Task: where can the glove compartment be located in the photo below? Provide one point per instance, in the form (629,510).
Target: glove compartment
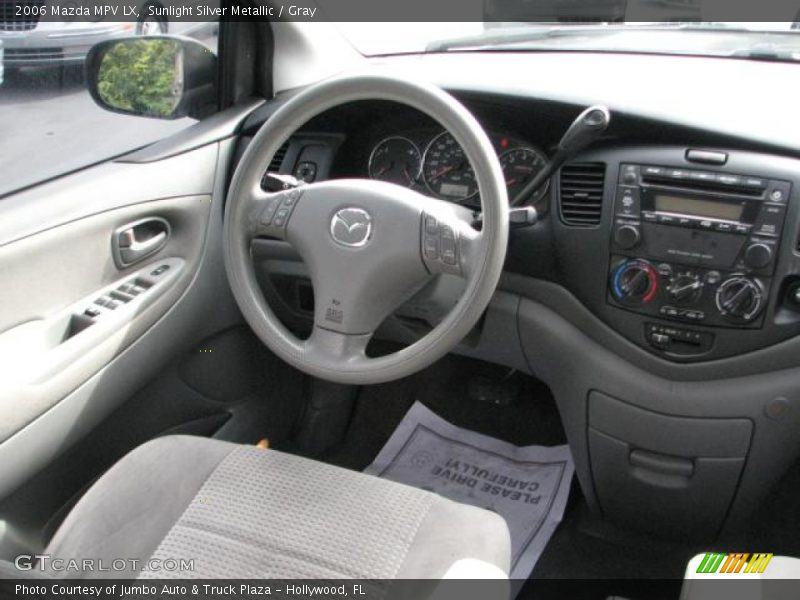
(671,475)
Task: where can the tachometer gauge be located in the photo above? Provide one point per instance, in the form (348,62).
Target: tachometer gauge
(447,171)
(396,160)
(520,165)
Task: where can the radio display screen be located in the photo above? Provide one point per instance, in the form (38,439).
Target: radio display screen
(698,208)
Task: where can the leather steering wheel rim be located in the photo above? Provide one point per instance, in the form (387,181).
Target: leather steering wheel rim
(335,350)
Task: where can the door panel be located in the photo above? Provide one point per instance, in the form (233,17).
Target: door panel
(61,370)
(104,187)
(49,345)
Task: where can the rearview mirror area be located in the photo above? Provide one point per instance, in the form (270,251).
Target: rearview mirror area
(160,77)
(142,76)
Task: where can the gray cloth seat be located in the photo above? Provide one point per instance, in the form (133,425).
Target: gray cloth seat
(243,512)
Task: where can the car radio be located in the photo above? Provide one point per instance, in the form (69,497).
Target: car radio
(693,245)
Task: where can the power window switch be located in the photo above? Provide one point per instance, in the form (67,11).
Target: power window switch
(92,312)
(120,297)
(103,301)
(159,270)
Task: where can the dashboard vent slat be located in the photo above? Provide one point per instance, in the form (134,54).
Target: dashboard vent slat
(581,196)
(277,160)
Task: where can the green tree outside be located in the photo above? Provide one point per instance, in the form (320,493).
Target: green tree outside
(141,76)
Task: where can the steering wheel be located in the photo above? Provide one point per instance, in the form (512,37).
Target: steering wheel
(368,245)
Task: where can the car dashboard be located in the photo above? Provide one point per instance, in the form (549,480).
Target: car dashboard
(433,163)
(657,292)
(675,245)
(392,143)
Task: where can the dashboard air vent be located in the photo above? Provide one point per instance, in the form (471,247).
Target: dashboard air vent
(277,160)
(581,196)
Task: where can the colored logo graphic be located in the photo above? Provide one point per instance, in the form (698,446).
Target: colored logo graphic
(714,562)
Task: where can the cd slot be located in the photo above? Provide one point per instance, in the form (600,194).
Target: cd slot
(709,185)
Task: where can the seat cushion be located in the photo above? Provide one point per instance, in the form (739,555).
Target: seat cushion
(243,512)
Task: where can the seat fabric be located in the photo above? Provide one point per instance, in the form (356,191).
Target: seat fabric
(242,512)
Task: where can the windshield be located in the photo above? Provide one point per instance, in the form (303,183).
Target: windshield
(777,40)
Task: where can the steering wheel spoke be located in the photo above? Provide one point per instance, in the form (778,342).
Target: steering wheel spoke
(270,212)
(449,244)
(335,349)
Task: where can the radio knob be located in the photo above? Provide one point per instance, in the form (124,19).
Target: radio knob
(757,255)
(740,298)
(627,236)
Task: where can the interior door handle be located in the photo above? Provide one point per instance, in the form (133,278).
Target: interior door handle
(136,241)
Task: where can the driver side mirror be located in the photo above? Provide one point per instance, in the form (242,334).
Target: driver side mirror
(159,76)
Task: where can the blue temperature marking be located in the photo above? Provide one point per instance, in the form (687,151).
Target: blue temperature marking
(617,275)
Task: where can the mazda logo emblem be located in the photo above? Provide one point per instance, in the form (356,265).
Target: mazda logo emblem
(351,227)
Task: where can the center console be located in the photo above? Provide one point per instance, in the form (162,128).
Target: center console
(695,251)
(672,356)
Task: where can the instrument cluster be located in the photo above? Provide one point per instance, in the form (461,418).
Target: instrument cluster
(435,164)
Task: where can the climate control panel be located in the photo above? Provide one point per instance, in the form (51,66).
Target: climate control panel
(695,252)
(698,295)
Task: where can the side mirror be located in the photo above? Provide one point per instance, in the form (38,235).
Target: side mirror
(153,76)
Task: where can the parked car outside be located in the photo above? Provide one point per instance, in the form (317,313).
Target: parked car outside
(30,41)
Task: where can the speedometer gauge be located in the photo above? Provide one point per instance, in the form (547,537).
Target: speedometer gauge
(520,166)
(396,160)
(447,171)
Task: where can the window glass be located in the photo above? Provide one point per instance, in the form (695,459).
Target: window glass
(49,124)
(624,31)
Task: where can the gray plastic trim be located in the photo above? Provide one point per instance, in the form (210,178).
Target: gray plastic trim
(784,355)
(215,128)
(675,436)
(574,364)
(186,319)
(103,188)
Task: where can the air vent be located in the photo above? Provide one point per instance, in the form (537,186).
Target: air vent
(581,195)
(277,160)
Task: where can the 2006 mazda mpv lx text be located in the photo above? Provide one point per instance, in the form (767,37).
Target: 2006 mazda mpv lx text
(327,308)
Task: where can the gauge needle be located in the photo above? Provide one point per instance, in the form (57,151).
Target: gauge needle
(384,169)
(443,171)
(407,173)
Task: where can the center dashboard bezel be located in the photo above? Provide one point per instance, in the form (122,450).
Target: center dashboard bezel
(586,256)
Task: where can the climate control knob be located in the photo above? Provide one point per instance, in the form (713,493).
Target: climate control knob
(685,288)
(740,298)
(634,282)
